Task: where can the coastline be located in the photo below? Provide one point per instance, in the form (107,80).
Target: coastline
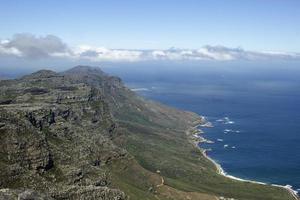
(221,171)
(196,139)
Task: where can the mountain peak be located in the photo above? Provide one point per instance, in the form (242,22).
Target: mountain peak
(44,73)
(84,70)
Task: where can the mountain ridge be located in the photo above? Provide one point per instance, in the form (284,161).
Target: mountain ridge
(81,134)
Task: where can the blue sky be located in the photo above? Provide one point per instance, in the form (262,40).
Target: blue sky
(257,25)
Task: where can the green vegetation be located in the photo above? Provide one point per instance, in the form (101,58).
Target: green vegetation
(167,149)
(87,136)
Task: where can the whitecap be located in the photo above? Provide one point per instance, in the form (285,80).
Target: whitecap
(207,125)
(139,89)
(227,130)
(231,131)
(225,120)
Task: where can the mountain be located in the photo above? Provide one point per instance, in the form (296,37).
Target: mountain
(81,134)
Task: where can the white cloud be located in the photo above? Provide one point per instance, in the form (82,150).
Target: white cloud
(29,46)
(158,54)
(104,54)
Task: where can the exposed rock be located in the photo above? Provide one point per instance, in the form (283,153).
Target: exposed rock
(4,102)
(90,193)
(22,148)
(56,130)
(41,74)
(9,194)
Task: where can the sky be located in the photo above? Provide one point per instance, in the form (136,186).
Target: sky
(149,29)
(147,24)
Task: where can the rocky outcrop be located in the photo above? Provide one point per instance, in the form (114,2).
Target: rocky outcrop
(56,130)
(82,193)
(11,194)
(90,193)
(22,148)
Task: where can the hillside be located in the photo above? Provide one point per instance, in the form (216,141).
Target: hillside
(81,134)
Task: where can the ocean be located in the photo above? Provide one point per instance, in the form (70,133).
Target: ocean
(254,108)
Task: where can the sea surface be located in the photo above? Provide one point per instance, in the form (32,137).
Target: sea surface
(254,108)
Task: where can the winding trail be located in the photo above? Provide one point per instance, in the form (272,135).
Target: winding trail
(162,182)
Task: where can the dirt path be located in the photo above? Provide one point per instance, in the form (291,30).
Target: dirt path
(162,182)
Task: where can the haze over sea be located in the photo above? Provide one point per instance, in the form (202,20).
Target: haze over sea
(259,100)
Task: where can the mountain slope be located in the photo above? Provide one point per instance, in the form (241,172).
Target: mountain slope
(82,134)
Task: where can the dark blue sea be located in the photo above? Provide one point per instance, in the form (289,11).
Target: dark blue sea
(254,107)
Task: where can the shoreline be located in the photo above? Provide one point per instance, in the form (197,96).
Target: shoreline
(196,139)
(221,171)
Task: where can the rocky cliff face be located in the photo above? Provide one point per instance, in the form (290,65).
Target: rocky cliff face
(56,135)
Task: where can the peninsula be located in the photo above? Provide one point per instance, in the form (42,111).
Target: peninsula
(81,134)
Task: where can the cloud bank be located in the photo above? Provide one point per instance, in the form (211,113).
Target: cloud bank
(29,46)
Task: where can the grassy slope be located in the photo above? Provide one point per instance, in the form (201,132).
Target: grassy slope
(155,136)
